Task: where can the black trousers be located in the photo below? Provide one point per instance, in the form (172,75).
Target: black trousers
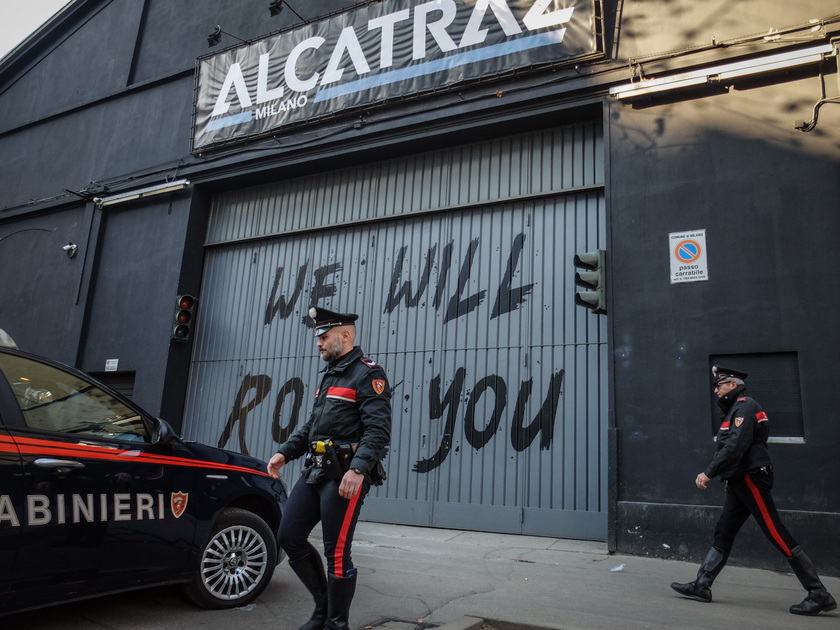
(309,503)
(750,495)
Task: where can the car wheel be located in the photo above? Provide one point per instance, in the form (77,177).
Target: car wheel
(237,562)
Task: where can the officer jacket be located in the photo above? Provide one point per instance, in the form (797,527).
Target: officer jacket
(352,405)
(741,442)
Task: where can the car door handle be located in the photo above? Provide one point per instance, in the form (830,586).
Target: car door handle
(60,465)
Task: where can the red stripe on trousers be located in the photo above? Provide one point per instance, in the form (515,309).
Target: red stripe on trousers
(338,563)
(766,515)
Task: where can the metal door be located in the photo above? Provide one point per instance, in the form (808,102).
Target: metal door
(459,263)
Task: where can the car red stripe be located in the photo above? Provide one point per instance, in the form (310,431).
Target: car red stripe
(32,446)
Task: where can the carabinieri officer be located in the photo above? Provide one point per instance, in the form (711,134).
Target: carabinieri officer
(742,460)
(344,441)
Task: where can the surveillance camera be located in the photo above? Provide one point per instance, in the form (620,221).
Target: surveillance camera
(70,249)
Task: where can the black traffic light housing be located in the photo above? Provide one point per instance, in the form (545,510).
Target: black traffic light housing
(184,317)
(593,279)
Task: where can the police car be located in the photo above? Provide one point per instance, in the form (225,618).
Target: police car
(97,496)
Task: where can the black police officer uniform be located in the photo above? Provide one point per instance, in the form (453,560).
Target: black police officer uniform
(351,415)
(742,460)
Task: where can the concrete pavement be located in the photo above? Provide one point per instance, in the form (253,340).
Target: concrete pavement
(439,577)
(414,578)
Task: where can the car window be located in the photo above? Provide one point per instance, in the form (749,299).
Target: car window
(54,400)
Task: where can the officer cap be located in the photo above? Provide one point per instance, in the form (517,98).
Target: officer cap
(720,373)
(324,319)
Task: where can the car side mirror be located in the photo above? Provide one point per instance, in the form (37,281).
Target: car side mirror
(163,433)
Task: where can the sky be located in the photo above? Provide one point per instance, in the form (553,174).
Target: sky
(20,18)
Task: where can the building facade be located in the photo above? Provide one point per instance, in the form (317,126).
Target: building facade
(436,167)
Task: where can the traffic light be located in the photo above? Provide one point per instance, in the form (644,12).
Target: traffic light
(593,279)
(184,316)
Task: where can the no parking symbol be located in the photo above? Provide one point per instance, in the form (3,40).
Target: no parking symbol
(688,256)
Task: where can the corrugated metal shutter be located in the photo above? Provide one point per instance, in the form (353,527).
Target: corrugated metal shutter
(459,263)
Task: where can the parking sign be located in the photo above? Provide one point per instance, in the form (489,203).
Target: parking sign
(688,256)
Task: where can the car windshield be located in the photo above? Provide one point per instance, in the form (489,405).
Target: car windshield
(54,400)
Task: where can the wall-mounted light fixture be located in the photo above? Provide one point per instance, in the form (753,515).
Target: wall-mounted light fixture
(722,73)
(810,125)
(835,52)
(275,7)
(141,193)
(216,36)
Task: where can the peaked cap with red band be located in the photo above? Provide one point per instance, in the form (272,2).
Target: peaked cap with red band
(324,319)
(721,374)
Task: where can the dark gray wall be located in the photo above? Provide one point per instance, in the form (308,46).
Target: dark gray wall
(110,92)
(43,290)
(132,303)
(767,196)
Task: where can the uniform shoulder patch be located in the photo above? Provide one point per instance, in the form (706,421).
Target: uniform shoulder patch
(739,422)
(378,385)
(368,362)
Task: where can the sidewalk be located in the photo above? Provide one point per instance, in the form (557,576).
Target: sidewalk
(412,578)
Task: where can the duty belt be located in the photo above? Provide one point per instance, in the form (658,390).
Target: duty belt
(332,457)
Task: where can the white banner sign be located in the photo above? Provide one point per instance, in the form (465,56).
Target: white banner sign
(380,52)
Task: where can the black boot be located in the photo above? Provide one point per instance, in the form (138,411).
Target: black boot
(818,600)
(311,572)
(701,588)
(341,591)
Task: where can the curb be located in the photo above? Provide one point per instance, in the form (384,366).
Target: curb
(464,623)
(476,623)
